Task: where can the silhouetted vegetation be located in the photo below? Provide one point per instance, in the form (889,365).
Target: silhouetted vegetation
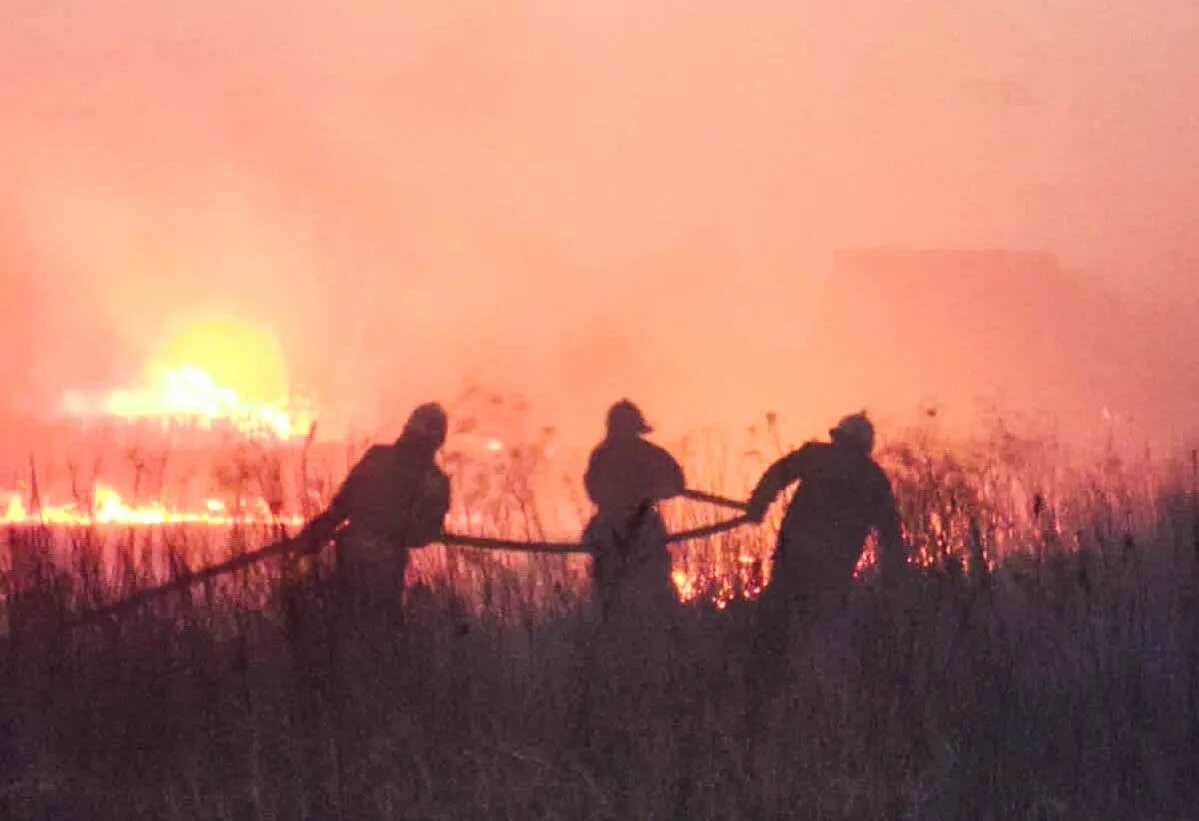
(1042,663)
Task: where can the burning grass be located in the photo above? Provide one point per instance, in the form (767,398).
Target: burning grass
(1042,663)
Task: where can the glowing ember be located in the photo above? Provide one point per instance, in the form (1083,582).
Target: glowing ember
(746,580)
(687,584)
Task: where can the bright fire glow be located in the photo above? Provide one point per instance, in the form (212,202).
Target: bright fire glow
(108,508)
(191,395)
(214,372)
(745,581)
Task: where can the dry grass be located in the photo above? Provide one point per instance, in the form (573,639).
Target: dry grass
(1043,663)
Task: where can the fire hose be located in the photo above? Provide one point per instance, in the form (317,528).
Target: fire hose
(566,548)
(289,545)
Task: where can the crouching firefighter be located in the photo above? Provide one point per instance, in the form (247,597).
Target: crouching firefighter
(626,477)
(396,498)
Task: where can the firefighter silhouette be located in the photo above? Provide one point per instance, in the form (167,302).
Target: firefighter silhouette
(394,499)
(842,496)
(626,477)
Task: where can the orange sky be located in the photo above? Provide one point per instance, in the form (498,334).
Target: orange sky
(576,201)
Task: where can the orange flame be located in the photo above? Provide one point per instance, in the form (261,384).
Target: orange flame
(191,395)
(214,372)
(744,580)
(108,508)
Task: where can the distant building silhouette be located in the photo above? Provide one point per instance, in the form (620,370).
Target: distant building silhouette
(969,328)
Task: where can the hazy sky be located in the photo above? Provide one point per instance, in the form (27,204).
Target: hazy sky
(575,201)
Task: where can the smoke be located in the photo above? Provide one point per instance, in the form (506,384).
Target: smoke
(582,203)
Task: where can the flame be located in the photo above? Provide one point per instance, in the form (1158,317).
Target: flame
(237,354)
(217,372)
(109,508)
(16,510)
(686,583)
(745,580)
(191,395)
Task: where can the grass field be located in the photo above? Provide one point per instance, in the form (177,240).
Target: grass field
(1043,662)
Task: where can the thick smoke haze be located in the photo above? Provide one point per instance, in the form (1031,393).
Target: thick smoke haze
(577,202)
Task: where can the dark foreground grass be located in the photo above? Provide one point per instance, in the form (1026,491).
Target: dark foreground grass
(1061,685)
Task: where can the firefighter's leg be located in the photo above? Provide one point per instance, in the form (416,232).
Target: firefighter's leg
(767,662)
(771,630)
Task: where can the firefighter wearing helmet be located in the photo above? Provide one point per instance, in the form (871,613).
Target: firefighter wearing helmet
(842,496)
(395,498)
(626,477)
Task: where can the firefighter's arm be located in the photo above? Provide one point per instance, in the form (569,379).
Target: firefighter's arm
(668,475)
(777,476)
(317,533)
